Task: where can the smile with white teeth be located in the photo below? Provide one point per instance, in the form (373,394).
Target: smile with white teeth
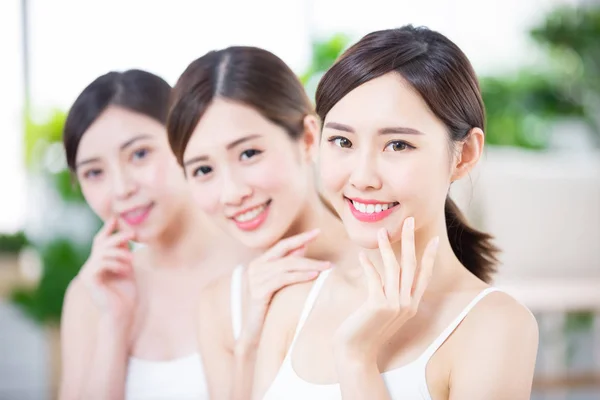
(251,214)
(372,208)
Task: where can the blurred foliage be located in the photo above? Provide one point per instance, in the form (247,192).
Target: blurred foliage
(521,108)
(39,135)
(324,54)
(12,243)
(61,257)
(61,261)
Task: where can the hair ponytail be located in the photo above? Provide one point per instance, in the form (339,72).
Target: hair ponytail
(473,248)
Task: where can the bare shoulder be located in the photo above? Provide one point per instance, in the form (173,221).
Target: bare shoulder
(78,303)
(214,312)
(498,314)
(284,312)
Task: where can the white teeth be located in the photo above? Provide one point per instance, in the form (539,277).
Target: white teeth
(371,208)
(250,215)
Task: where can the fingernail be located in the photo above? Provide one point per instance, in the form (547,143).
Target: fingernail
(383,233)
(314,274)
(436,242)
(410,222)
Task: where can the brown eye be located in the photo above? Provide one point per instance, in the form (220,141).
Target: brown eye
(341,142)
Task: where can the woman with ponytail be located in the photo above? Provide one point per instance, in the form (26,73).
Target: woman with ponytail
(409,313)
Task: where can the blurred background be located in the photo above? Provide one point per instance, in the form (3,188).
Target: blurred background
(537,189)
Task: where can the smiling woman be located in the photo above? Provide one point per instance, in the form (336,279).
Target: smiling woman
(116,337)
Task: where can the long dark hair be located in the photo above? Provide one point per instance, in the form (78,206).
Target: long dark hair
(133,90)
(249,75)
(443,76)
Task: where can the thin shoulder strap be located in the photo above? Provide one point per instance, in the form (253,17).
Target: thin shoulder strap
(236,300)
(309,304)
(437,343)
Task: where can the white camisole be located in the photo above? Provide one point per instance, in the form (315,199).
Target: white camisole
(406,382)
(181,379)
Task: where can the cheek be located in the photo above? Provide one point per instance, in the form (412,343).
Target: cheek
(273,174)
(419,182)
(333,171)
(206,195)
(97,197)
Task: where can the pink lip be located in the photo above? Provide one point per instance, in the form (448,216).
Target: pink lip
(136,216)
(255,222)
(365,217)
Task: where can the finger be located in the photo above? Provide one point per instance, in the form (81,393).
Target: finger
(113,267)
(291,278)
(391,274)
(119,239)
(108,228)
(409,261)
(118,254)
(289,264)
(426,269)
(299,252)
(285,246)
(372,277)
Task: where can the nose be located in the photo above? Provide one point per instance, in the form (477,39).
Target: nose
(365,176)
(235,190)
(123,184)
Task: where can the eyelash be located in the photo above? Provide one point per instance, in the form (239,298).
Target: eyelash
(136,154)
(254,152)
(92,173)
(199,169)
(336,139)
(249,154)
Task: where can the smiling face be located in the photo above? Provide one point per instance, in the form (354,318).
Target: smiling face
(247,172)
(384,156)
(126,169)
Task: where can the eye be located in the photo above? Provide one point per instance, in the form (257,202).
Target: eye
(398,145)
(140,154)
(247,154)
(92,173)
(202,170)
(341,141)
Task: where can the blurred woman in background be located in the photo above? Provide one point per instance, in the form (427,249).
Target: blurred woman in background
(128,327)
(245,132)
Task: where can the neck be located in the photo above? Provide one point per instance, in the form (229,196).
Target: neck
(315,214)
(184,242)
(447,267)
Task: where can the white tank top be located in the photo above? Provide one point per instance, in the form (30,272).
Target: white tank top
(406,382)
(181,378)
(236,300)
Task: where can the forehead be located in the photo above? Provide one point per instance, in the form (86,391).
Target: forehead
(386,101)
(114,127)
(226,121)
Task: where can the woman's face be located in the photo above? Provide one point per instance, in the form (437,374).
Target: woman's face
(126,169)
(247,172)
(384,156)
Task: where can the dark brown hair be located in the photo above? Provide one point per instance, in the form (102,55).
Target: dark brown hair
(443,76)
(248,75)
(134,90)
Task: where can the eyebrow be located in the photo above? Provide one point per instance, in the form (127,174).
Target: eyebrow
(383,131)
(230,146)
(121,148)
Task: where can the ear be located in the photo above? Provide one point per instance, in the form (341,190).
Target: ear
(468,153)
(310,138)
